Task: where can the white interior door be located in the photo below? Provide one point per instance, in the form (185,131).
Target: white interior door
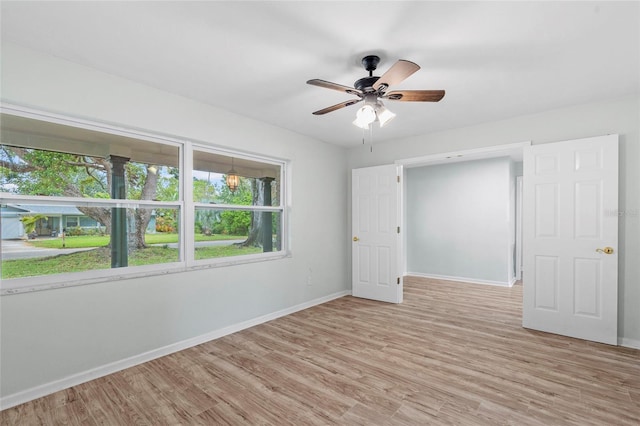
(570,274)
(376,237)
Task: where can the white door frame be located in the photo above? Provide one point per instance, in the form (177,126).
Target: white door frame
(518,265)
(445,157)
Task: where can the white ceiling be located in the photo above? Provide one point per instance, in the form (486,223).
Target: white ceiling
(494,59)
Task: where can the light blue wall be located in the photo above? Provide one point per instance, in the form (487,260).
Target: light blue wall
(458,220)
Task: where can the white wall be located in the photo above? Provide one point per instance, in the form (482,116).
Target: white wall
(51,335)
(458,220)
(620,116)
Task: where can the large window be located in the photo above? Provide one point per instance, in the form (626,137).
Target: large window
(79,203)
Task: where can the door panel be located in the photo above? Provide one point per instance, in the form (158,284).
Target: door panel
(546,284)
(546,210)
(375,219)
(570,283)
(588,210)
(587,285)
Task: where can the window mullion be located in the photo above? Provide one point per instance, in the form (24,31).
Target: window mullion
(234,207)
(188,214)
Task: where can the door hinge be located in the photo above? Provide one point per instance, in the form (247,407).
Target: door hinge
(398,179)
(398,229)
(398,281)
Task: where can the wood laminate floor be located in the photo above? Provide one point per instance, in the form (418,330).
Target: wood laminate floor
(452,353)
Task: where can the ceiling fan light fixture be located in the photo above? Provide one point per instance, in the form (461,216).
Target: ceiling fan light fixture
(361,125)
(384,115)
(365,116)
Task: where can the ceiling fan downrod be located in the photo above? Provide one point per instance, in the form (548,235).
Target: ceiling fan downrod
(365,84)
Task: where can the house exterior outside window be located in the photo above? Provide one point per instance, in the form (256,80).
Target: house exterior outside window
(162,207)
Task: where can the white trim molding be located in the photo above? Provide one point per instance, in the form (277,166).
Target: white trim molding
(104,370)
(461,279)
(629,343)
(467,154)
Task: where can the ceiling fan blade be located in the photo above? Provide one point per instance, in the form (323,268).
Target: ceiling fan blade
(337,106)
(415,95)
(397,73)
(335,86)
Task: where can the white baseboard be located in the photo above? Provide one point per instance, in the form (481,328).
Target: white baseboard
(628,343)
(85,376)
(461,279)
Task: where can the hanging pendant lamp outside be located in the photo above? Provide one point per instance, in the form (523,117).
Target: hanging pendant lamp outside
(232,180)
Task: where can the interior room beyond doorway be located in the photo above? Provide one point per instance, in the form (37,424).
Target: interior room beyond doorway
(460,216)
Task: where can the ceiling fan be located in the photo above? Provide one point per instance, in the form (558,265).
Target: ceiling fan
(372,89)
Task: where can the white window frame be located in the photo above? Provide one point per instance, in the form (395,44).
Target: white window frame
(191,206)
(184,204)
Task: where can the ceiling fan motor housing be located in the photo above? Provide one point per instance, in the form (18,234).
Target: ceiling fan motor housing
(365,84)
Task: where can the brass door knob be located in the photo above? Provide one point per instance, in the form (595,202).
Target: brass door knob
(606,250)
(356,239)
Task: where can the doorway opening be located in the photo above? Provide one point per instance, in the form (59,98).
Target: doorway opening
(461,216)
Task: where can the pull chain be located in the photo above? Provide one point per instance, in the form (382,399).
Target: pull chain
(370,137)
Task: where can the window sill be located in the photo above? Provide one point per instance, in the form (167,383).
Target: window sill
(44,282)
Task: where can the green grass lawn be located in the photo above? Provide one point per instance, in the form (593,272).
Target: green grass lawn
(99,258)
(85,241)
